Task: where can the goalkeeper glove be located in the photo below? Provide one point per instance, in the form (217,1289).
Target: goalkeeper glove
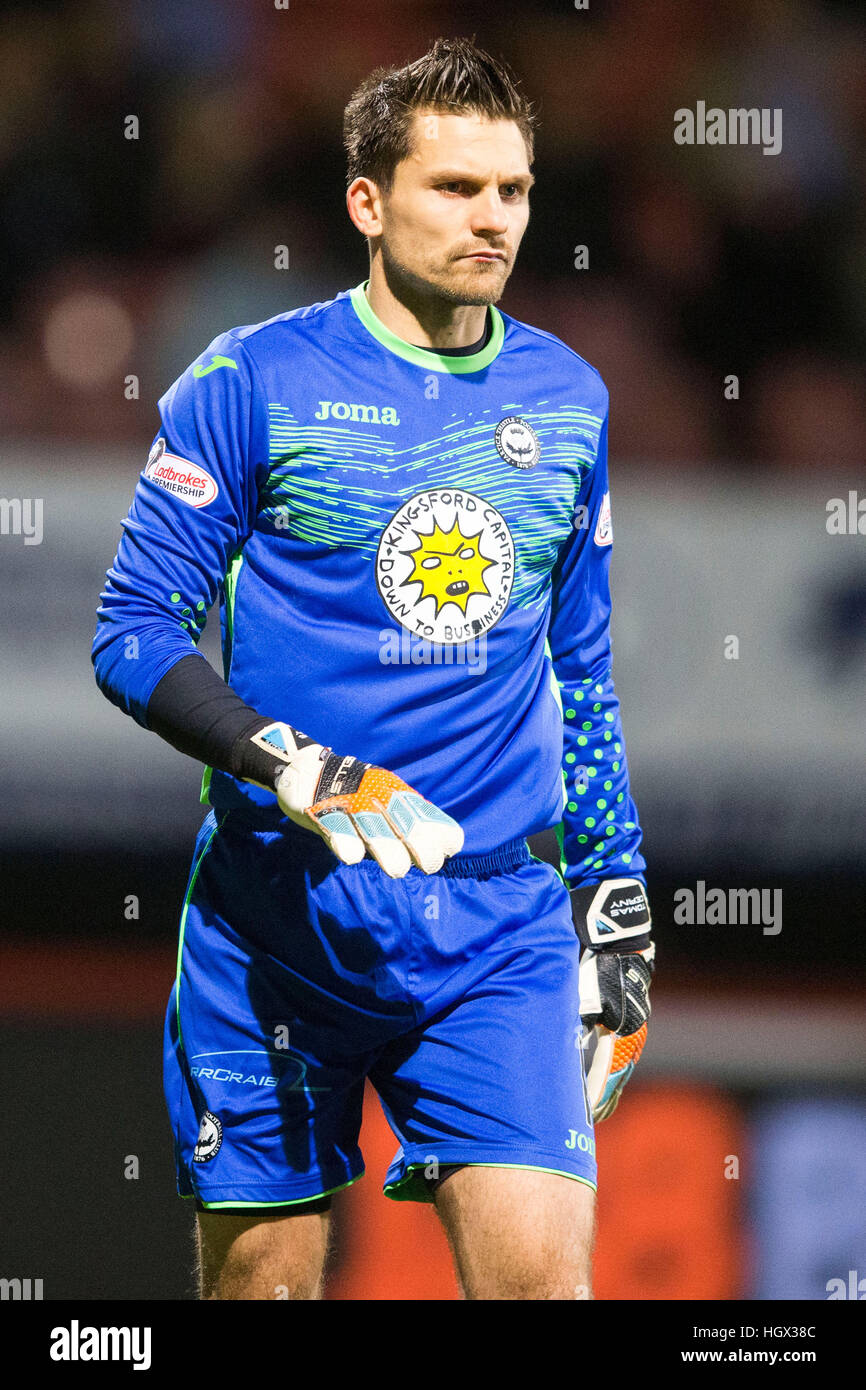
(356,807)
(617,962)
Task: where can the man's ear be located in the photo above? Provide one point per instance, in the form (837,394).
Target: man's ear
(364,204)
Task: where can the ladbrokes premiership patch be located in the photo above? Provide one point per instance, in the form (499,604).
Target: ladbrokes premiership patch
(604,525)
(188,481)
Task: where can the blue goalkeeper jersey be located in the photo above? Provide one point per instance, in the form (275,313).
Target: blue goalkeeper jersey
(411,554)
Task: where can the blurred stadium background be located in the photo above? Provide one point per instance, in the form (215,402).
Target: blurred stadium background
(736,1166)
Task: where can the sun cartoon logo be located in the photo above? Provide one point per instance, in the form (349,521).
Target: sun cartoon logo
(445,565)
(449,567)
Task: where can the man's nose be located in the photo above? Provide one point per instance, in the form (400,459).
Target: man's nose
(489,214)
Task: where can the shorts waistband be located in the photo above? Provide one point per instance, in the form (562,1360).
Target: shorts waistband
(502,860)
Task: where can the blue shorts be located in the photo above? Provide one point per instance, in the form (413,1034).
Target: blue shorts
(298,977)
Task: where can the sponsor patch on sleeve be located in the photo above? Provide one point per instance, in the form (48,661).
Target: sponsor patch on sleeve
(604,525)
(188,481)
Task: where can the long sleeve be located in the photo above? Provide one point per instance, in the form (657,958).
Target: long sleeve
(193,507)
(600,834)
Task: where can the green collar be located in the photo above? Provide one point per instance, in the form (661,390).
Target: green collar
(426,357)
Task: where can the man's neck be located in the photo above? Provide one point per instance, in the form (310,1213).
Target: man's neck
(425,320)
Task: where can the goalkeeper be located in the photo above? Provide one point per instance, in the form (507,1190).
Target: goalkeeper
(400,498)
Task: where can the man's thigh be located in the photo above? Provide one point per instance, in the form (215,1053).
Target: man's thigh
(495,1075)
(519,1234)
(261,1254)
(272,1023)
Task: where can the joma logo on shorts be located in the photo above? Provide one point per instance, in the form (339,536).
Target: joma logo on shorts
(577,1140)
(366,414)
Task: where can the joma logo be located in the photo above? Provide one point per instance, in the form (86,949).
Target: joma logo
(367,414)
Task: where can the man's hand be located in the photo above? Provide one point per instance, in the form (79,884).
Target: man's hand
(614,1008)
(617,962)
(356,807)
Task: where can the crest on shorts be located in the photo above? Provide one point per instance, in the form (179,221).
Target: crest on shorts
(210,1137)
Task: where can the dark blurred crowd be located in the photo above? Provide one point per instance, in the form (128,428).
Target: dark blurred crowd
(122,257)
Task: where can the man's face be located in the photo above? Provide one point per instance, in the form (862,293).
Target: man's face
(458,207)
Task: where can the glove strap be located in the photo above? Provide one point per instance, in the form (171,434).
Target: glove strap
(264,749)
(613,915)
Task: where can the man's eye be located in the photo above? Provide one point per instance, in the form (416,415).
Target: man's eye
(511,190)
(453,187)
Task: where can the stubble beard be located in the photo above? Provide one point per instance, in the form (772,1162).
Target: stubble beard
(454,283)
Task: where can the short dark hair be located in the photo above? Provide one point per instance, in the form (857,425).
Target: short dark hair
(455,76)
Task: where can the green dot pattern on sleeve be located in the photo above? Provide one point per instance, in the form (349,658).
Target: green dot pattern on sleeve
(597,749)
(175,598)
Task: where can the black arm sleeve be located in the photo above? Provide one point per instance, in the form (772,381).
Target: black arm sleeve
(194,710)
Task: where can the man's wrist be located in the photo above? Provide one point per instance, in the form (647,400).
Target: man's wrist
(264,748)
(613,915)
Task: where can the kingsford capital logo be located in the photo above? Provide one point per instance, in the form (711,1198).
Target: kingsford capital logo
(445,565)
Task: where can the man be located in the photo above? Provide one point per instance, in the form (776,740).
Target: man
(401,498)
